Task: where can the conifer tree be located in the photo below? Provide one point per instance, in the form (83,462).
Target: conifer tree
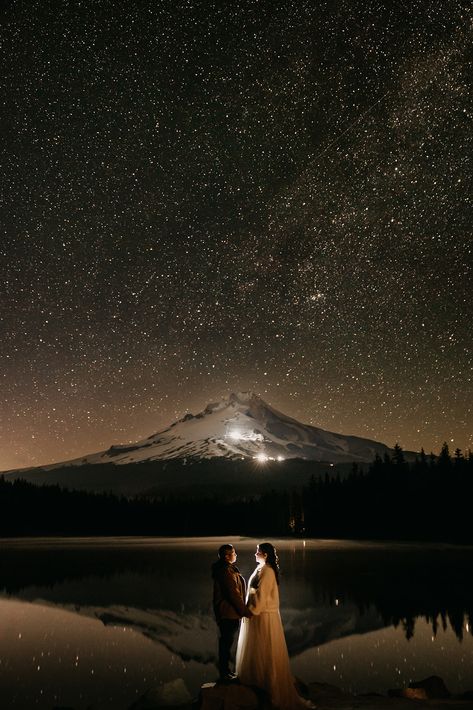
(398,456)
(444,461)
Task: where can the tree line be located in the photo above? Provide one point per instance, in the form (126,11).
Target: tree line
(429,499)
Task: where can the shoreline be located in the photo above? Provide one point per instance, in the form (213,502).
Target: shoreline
(215,696)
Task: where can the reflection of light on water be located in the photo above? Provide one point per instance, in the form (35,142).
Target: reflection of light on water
(113,665)
(373,661)
(366,661)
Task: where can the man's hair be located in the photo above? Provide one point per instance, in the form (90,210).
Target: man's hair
(221,563)
(222,551)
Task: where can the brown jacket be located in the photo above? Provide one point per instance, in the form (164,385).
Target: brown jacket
(229,593)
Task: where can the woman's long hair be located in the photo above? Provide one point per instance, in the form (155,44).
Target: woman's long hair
(272,558)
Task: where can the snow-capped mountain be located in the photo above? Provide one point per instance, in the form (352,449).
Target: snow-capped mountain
(242,426)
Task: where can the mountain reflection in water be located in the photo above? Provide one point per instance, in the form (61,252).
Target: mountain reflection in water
(351,611)
(396,583)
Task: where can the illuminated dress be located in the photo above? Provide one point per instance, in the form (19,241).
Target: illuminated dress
(262,659)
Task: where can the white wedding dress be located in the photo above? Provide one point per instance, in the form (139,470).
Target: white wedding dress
(262,659)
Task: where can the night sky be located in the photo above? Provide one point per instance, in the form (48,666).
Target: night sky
(206,197)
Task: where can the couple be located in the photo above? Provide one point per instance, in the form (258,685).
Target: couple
(261,658)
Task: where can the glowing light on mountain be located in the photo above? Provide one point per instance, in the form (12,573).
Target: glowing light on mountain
(263,458)
(238,435)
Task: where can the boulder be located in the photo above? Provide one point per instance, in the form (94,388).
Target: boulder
(172,694)
(414,693)
(433,686)
(218,696)
(323,690)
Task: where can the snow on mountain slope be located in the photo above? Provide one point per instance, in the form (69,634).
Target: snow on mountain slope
(243,426)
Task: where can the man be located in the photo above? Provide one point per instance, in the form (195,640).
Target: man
(229,606)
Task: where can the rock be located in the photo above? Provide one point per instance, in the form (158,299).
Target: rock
(301,687)
(409,693)
(172,694)
(323,689)
(414,693)
(395,693)
(217,696)
(433,686)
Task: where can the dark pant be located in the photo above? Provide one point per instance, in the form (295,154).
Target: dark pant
(228,630)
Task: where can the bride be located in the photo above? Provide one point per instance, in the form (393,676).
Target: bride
(262,659)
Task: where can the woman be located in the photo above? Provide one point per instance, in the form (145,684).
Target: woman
(262,659)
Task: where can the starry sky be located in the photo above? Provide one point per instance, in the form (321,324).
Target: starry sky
(200,197)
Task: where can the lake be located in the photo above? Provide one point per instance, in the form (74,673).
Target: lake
(100,621)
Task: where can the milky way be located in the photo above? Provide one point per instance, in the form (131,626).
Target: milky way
(200,197)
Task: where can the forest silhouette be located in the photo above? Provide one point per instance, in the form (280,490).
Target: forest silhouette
(392,499)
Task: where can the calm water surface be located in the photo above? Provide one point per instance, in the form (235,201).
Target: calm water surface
(100,621)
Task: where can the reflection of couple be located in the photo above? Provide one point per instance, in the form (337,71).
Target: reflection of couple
(261,658)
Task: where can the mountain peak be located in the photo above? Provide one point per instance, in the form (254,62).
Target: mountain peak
(245,399)
(241,426)
(235,400)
